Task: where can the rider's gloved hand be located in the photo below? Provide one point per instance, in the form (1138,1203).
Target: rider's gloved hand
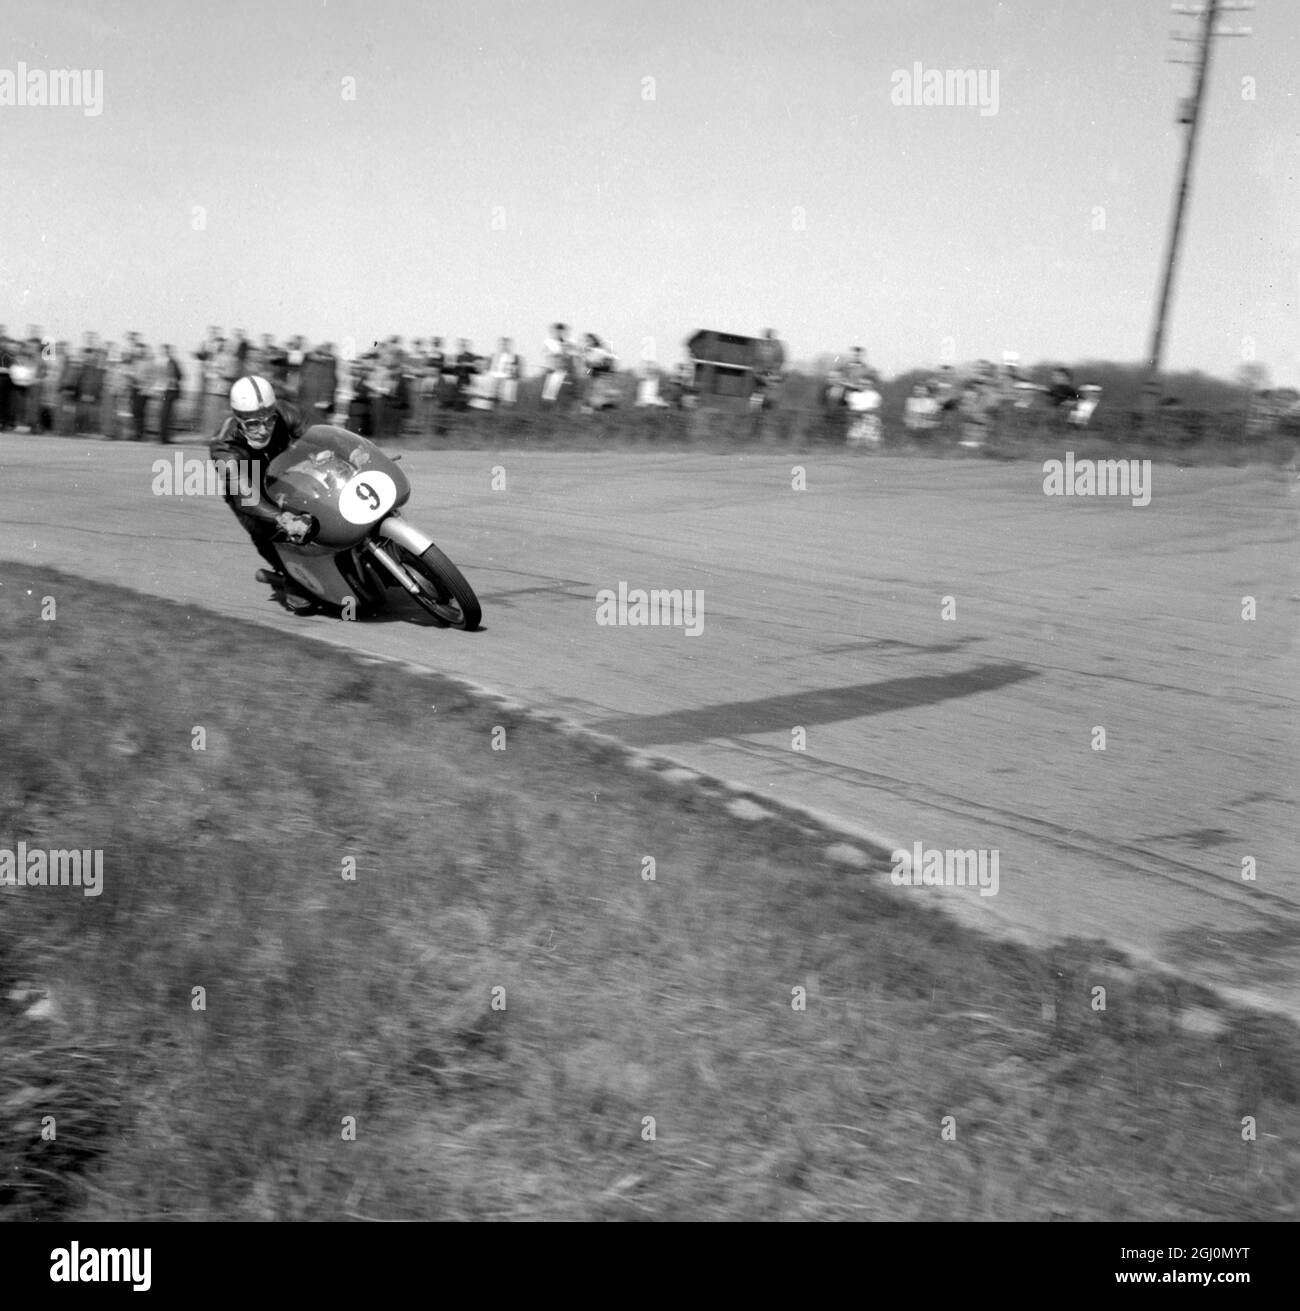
(295,527)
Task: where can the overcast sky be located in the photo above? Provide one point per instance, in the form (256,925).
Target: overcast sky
(353,168)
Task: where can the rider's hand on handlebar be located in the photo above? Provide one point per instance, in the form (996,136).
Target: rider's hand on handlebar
(295,527)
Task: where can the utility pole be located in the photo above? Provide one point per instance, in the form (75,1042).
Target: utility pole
(1190,117)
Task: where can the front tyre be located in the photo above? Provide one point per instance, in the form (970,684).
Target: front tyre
(444,593)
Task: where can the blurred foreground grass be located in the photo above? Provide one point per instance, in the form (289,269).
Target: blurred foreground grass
(521,870)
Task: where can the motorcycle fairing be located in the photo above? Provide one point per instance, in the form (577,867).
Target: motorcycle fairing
(346,483)
(333,576)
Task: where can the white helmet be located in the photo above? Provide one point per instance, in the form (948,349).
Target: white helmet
(253,402)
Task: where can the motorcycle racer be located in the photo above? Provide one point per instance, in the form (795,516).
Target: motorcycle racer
(258,429)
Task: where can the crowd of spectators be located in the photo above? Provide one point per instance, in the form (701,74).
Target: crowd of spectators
(133,390)
(391,388)
(971,404)
(97,387)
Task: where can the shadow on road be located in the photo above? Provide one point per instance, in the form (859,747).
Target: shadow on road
(824,706)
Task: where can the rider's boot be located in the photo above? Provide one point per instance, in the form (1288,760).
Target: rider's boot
(299,601)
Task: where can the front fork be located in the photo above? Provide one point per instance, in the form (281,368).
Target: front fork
(407,536)
(400,574)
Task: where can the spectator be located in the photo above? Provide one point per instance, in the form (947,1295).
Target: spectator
(48,358)
(215,359)
(834,391)
(274,361)
(598,366)
(168,386)
(683,394)
(255,362)
(1262,413)
(411,412)
(318,384)
(206,355)
(234,358)
(649,380)
(465,371)
(1008,379)
(968,412)
(79,362)
(398,401)
(140,374)
(844,379)
(90,392)
(434,386)
(399,362)
(857,372)
(448,386)
(1017,390)
(413,374)
(379,387)
(59,367)
(70,384)
(505,370)
(111,395)
(8,351)
(24,375)
(769,371)
(433,362)
(1082,410)
(921,410)
(1061,390)
(945,388)
(863,401)
(977,407)
(481,386)
(557,353)
(295,354)
(226,366)
(359,411)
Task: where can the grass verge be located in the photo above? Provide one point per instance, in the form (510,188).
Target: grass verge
(518,1021)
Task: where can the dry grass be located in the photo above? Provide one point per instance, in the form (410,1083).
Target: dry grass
(624,999)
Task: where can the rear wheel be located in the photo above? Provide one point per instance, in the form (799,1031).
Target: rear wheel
(444,593)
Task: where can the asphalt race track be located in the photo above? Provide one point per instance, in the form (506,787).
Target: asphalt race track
(823,610)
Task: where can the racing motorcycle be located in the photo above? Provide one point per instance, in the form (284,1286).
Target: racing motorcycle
(360,547)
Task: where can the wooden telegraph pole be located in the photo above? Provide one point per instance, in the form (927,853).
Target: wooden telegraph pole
(1190,117)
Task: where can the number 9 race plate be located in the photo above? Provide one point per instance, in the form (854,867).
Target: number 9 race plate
(367,496)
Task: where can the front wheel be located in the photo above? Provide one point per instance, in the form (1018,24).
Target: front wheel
(444,593)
